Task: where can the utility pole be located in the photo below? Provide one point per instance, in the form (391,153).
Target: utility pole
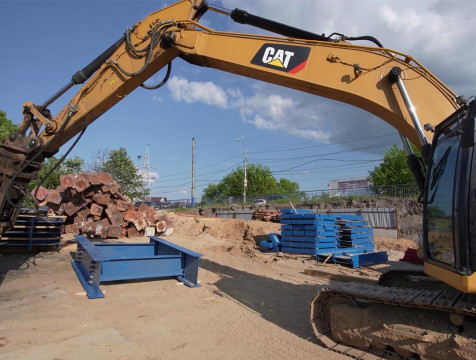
(146,171)
(245,179)
(193,174)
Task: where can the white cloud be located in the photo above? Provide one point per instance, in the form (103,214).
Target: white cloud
(263,110)
(150,177)
(193,91)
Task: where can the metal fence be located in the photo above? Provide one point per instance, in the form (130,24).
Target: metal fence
(393,191)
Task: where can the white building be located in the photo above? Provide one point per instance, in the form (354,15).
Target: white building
(347,187)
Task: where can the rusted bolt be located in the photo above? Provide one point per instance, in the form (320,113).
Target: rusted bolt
(32,143)
(12,137)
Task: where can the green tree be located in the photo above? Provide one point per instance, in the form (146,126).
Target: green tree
(123,170)
(68,166)
(393,170)
(6,125)
(287,187)
(261,182)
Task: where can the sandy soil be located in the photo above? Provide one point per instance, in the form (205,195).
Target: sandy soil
(250,304)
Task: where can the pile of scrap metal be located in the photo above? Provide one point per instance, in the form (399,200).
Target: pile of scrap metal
(95,207)
(266,215)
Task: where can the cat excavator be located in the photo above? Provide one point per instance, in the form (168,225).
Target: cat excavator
(391,85)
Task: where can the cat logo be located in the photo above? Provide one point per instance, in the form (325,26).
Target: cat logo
(287,58)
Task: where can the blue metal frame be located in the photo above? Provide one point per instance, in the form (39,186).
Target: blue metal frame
(99,262)
(34,231)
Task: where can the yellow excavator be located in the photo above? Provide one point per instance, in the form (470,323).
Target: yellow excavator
(389,84)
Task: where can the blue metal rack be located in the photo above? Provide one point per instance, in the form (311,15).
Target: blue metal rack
(30,230)
(99,262)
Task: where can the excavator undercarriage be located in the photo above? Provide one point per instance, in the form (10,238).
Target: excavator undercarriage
(375,321)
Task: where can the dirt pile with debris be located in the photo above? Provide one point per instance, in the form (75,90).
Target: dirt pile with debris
(230,235)
(95,206)
(234,235)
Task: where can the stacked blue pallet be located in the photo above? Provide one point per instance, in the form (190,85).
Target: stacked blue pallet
(355,233)
(308,233)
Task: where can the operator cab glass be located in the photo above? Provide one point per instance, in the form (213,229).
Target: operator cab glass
(440,190)
(450,206)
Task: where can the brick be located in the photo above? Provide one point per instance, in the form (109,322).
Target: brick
(67,180)
(104,178)
(121,205)
(131,215)
(83,213)
(89,229)
(101,230)
(102,199)
(114,231)
(41,194)
(70,209)
(114,215)
(132,232)
(54,197)
(143,208)
(96,209)
(140,224)
(71,229)
(114,188)
(81,183)
(94,179)
(79,221)
(105,222)
(161,226)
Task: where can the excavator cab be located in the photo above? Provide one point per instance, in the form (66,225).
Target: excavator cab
(450,202)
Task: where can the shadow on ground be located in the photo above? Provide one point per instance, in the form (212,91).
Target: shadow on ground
(19,261)
(280,302)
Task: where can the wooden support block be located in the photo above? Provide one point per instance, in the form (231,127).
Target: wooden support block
(114,231)
(41,194)
(131,215)
(102,199)
(114,215)
(81,182)
(96,209)
(70,209)
(104,178)
(54,197)
(132,232)
(121,205)
(67,180)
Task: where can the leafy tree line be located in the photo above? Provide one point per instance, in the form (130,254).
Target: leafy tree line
(261,182)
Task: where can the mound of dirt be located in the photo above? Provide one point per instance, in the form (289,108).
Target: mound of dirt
(232,235)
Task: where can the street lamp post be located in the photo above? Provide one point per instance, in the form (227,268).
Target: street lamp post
(245,180)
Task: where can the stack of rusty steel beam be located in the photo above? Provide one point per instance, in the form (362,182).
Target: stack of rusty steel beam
(266,215)
(95,207)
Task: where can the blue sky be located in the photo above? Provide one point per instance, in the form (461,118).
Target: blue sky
(299,136)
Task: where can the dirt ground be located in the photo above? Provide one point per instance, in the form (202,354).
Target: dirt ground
(251,304)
